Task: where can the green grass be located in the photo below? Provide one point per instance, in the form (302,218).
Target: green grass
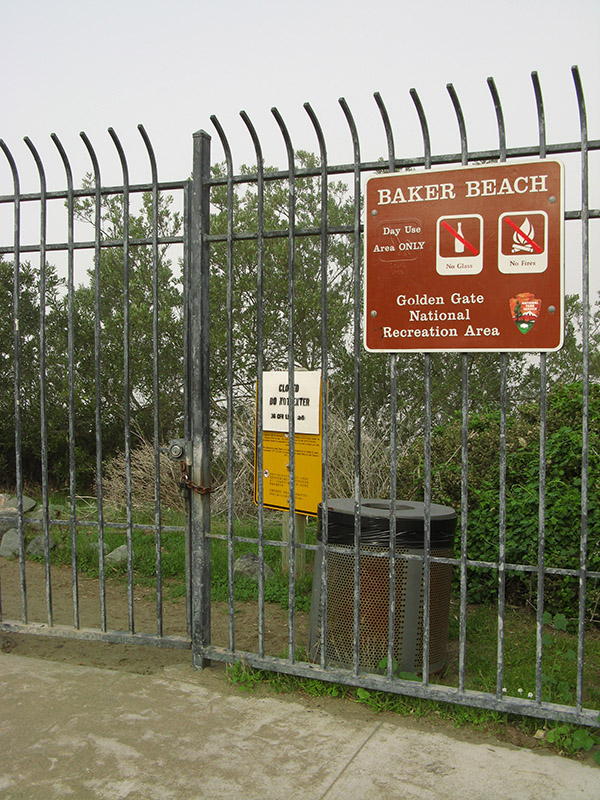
(559,664)
(173,553)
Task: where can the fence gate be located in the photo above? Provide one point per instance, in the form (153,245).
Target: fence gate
(271,280)
(91,385)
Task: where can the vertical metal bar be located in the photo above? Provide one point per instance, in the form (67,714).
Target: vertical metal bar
(585,298)
(71,376)
(42,380)
(502,527)
(126,376)
(155,382)
(542,477)
(187,384)
(357,376)
(229,390)
(460,118)
(427,439)
(17,372)
(199,400)
(389,134)
(393,366)
(464,510)
(260,270)
(427,478)
(503,451)
(427,520)
(499,119)
(427,434)
(464,484)
(324,382)
(292,389)
(98,374)
(424,127)
(540,113)
(393,363)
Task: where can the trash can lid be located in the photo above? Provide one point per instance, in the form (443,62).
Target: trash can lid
(375,526)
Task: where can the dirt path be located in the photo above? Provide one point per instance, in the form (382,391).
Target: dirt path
(120,656)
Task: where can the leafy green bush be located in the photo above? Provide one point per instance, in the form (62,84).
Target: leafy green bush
(563,515)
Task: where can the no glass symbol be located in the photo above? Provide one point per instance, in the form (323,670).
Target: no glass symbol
(461,242)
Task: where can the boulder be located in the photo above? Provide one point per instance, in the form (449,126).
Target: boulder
(8,508)
(248,566)
(10,520)
(28,504)
(95,546)
(36,516)
(9,547)
(117,556)
(36,545)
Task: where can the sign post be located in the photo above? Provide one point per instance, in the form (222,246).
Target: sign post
(465,259)
(308,448)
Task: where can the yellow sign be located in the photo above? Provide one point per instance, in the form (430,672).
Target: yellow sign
(276,459)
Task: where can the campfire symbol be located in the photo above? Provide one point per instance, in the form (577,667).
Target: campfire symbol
(521,243)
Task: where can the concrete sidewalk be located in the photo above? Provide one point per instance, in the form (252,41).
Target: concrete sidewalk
(81,732)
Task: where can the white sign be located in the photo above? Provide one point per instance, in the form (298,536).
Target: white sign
(276,401)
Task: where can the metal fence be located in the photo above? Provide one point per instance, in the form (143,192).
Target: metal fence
(71,419)
(234,250)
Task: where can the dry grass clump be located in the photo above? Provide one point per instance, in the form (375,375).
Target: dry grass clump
(374,459)
(375,468)
(142,479)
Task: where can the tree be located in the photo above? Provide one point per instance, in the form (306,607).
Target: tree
(566,364)
(562,500)
(141,307)
(307,255)
(29,369)
(170,348)
(446,369)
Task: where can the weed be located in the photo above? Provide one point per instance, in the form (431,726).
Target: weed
(570,739)
(243,676)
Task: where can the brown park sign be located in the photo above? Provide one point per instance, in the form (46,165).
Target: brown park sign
(465,259)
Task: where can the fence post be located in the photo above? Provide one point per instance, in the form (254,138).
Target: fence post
(198,403)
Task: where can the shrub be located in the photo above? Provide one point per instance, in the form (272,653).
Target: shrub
(562,495)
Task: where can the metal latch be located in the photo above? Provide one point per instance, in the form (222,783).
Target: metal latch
(180,450)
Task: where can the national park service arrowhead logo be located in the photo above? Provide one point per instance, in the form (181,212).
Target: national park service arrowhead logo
(525,309)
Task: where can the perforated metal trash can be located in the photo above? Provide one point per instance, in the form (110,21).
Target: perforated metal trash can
(374,586)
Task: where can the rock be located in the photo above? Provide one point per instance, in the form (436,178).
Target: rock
(35,518)
(28,504)
(9,548)
(10,521)
(36,545)
(8,507)
(117,556)
(96,547)
(248,567)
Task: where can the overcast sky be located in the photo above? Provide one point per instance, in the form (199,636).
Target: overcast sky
(74,65)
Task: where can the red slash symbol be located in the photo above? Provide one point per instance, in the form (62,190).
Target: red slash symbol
(460,238)
(530,241)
